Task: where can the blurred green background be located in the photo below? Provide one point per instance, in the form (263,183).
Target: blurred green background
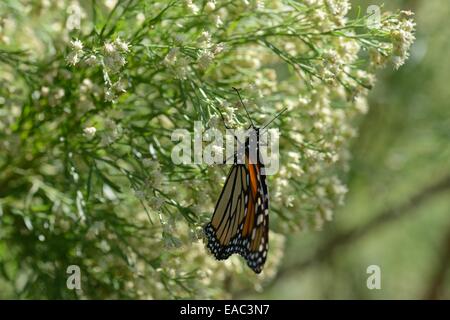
(397,213)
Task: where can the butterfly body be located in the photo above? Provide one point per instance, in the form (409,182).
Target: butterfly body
(240,223)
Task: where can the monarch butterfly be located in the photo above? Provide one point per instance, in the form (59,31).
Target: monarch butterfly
(240,223)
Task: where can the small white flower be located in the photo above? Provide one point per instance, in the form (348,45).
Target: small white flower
(205,39)
(110,3)
(86,85)
(122,45)
(260,5)
(361,105)
(60,93)
(113,58)
(140,17)
(218,21)
(35,95)
(45,91)
(398,61)
(171,57)
(205,59)
(90,131)
(72,58)
(289,201)
(109,48)
(218,48)
(407,13)
(210,6)
(77,45)
(192,7)
(230,110)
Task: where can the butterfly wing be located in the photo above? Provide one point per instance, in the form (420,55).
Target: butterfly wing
(240,222)
(228,214)
(256,226)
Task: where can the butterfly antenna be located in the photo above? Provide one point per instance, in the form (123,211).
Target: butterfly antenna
(276,116)
(242,102)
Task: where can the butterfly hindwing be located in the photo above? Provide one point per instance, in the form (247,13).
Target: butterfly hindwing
(259,223)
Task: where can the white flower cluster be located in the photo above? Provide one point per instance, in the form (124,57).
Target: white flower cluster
(112,58)
(400,30)
(77,50)
(402,33)
(177,63)
(180,64)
